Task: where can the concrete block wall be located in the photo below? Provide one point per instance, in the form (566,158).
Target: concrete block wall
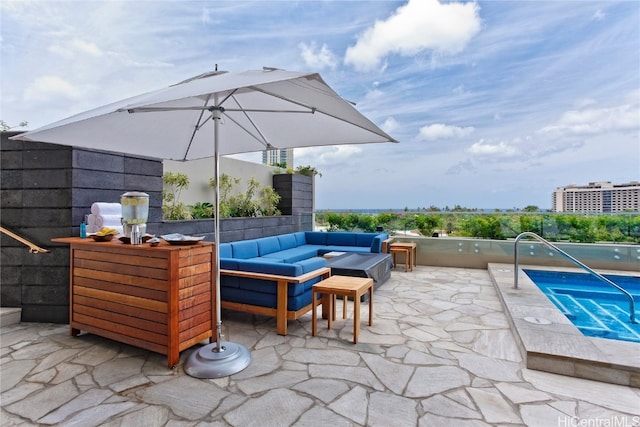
(296,193)
(47,189)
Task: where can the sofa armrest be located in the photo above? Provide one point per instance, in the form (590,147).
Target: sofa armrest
(324,271)
(385,245)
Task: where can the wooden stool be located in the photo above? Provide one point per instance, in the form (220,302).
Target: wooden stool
(345,286)
(409,249)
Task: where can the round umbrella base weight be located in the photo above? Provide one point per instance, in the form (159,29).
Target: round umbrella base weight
(208,362)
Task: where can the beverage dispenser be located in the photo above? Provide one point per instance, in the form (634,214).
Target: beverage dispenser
(135,211)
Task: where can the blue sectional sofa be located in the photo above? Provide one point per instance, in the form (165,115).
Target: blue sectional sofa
(273,275)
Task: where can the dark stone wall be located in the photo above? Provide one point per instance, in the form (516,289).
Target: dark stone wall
(47,189)
(296,193)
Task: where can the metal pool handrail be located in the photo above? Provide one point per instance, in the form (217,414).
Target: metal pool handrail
(632,309)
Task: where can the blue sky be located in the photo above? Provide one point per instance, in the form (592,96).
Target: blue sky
(495,103)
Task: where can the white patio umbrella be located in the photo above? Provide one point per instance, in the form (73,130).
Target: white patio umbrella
(214,114)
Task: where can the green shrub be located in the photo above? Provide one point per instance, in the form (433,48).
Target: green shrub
(172,207)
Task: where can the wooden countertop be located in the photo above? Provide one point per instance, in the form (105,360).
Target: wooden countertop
(117,244)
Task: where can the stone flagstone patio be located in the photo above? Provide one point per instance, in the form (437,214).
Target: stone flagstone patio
(440,353)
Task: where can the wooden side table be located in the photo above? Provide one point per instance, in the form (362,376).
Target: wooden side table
(345,286)
(409,249)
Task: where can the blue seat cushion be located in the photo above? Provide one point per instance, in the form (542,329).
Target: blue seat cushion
(266,266)
(228,264)
(312,264)
(295,254)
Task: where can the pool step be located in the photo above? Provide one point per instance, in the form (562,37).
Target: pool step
(600,320)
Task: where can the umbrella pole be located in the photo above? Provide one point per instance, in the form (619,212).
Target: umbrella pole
(216,224)
(217,360)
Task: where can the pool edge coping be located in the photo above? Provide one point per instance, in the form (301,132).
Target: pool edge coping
(559,347)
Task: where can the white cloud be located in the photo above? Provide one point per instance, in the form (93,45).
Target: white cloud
(47,88)
(75,47)
(318,58)
(442,131)
(323,156)
(417,26)
(592,121)
(599,15)
(389,125)
(460,167)
(485,149)
(585,102)
(205,16)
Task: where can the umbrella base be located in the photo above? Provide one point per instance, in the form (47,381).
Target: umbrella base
(208,362)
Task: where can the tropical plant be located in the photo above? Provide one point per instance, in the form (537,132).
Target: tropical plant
(202,210)
(225,187)
(172,207)
(247,204)
(307,170)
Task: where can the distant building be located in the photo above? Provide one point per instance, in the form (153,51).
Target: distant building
(597,197)
(278,157)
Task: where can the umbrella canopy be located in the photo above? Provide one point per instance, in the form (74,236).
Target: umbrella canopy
(216,114)
(268,109)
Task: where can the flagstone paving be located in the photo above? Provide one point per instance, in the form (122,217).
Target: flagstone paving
(440,353)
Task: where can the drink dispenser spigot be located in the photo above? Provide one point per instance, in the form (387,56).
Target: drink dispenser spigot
(135,211)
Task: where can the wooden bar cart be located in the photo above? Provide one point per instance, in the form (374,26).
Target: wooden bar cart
(156,298)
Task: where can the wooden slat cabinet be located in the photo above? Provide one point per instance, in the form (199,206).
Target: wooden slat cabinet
(157,298)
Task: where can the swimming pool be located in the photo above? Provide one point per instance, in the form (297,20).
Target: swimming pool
(594,307)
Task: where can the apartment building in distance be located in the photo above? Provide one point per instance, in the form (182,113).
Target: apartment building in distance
(278,157)
(597,197)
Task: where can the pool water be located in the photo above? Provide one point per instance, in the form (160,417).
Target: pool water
(595,307)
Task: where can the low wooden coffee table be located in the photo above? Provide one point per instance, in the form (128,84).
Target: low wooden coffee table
(346,286)
(409,250)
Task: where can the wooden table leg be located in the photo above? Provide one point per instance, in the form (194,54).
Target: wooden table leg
(314,305)
(332,311)
(356,318)
(371,305)
(407,260)
(344,306)
(414,252)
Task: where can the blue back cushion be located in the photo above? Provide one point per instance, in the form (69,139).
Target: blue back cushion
(245,249)
(341,239)
(376,244)
(300,238)
(365,239)
(287,241)
(224,249)
(268,245)
(316,237)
